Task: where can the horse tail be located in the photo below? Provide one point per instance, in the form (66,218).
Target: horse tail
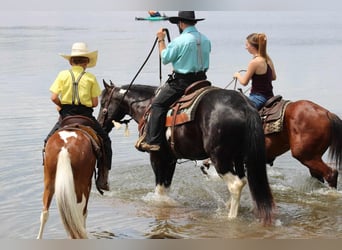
(256,167)
(71,213)
(335,150)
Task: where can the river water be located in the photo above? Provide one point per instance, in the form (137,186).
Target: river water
(306,49)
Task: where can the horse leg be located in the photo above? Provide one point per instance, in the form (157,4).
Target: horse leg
(43,219)
(322,171)
(161,190)
(163,165)
(235,186)
(235,183)
(86,191)
(311,157)
(319,170)
(85,215)
(47,197)
(316,175)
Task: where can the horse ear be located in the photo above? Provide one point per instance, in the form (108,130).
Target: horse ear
(106,85)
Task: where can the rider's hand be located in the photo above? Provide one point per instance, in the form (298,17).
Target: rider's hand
(161,34)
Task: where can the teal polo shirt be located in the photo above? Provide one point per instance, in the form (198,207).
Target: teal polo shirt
(189,52)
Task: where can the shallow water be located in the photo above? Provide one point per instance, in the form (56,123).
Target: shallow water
(306,49)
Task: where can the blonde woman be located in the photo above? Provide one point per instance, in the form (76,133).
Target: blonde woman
(260,70)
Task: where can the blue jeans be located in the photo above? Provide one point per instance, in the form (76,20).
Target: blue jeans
(258,100)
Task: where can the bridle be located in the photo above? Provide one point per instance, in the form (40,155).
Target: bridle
(108,101)
(105,109)
(106,106)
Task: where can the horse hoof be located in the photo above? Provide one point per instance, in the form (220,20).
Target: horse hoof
(332,178)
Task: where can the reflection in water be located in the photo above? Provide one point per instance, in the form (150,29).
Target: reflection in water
(102,235)
(164,229)
(165,225)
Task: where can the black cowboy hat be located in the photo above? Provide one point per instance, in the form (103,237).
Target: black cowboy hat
(184,16)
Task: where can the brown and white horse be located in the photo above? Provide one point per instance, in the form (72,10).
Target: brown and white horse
(69,164)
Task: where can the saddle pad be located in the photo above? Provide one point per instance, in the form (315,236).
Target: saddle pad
(273,117)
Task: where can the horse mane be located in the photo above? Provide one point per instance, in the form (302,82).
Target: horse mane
(145,90)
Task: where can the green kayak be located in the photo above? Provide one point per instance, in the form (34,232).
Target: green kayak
(152,18)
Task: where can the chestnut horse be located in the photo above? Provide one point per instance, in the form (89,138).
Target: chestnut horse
(308,131)
(225,128)
(69,164)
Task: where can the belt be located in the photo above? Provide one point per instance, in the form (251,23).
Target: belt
(200,75)
(190,74)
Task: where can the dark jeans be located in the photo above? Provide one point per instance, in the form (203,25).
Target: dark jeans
(69,110)
(172,90)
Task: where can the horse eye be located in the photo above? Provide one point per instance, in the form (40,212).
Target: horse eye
(104,111)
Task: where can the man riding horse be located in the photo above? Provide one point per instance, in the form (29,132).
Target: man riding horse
(189,55)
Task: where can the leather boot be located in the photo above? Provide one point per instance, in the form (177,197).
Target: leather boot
(102,178)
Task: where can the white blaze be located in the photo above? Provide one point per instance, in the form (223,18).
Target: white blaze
(122,91)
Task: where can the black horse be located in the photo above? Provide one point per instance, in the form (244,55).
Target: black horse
(225,128)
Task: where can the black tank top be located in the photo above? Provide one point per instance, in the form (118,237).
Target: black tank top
(262,84)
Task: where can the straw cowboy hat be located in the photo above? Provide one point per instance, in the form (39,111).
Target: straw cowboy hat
(184,16)
(81,49)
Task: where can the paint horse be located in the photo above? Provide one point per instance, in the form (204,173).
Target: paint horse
(69,163)
(225,128)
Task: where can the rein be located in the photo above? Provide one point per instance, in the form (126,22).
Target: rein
(105,109)
(234,80)
(160,64)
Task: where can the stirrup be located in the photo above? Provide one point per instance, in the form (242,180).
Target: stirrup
(140,140)
(148,147)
